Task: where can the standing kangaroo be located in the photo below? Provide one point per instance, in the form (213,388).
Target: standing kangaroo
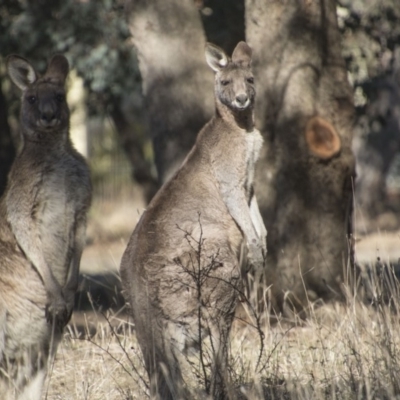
(42,231)
(181,270)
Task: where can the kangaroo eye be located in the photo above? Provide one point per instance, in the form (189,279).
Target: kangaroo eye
(250,80)
(60,98)
(31,99)
(225,82)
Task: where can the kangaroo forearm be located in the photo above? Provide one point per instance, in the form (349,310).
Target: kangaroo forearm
(50,282)
(240,212)
(257,219)
(73,274)
(72,281)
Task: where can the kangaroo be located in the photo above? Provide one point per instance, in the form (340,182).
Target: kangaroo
(181,270)
(42,231)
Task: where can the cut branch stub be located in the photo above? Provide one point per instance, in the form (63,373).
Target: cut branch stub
(322,139)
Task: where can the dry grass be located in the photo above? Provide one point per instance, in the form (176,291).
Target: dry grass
(341,352)
(96,361)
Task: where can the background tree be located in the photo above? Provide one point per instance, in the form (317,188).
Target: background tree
(223,22)
(7,149)
(96,40)
(304,179)
(177,86)
(300,74)
(371,40)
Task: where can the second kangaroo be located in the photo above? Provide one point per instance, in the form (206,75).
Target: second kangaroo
(181,269)
(42,231)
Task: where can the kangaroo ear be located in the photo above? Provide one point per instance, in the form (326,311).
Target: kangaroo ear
(58,68)
(242,54)
(216,57)
(322,139)
(20,71)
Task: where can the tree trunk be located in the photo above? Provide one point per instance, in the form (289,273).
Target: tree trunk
(376,147)
(7,150)
(304,179)
(177,84)
(223,22)
(132,140)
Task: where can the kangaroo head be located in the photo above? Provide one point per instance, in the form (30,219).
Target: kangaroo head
(43,107)
(234,81)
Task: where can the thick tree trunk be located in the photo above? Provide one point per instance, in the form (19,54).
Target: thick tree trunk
(177,84)
(7,150)
(304,179)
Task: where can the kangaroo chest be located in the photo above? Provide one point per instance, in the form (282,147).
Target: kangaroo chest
(58,189)
(61,199)
(47,194)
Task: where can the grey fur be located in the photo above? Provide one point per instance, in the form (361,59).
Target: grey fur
(182,263)
(42,231)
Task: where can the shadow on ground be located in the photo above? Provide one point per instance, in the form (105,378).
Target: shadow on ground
(100,292)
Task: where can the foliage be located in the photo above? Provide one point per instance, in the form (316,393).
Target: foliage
(371,36)
(371,46)
(92,34)
(95,37)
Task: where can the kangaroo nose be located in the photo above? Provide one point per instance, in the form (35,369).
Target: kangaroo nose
(241,99)
(47,116)
(47,113)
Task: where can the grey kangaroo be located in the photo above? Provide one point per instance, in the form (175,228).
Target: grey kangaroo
(181,269)
(42,231)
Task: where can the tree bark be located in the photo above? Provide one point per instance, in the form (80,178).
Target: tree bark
(223,22)
(177,84)
(305,198)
